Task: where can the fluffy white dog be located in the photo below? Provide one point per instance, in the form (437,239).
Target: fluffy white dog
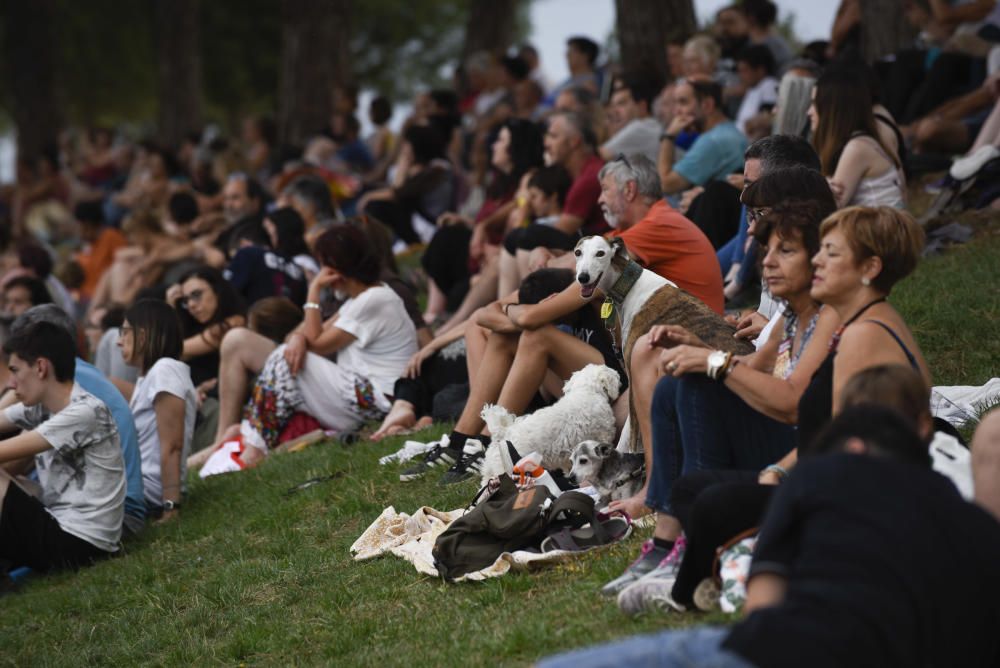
(582,413)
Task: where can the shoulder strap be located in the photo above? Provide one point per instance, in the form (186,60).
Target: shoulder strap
(906,351)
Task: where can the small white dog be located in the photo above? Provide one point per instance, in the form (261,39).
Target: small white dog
(582,413)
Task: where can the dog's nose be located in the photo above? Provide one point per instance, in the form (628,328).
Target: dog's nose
(584,278)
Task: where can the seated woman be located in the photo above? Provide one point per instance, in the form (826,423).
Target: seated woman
(863,254)
(163,401)
(370,334)
(861,168)
(208,307)
(465,248)
(267,267)
(758,393)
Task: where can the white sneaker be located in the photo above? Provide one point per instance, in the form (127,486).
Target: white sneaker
(966,167)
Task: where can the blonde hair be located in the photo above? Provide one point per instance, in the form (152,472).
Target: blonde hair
(889,234)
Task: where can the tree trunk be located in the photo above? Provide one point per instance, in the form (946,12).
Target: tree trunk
(645,27)
(30,55)
(490,26)
(884,29)
(178,68)
(315,59)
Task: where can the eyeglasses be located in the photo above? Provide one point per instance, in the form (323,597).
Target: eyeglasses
(621,158)
(195,297)
(755,214)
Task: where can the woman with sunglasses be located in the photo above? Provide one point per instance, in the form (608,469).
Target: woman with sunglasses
(208,307)
(163,400)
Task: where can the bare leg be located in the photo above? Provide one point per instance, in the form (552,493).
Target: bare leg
(490,376)
(401,416)
(939,134)
(538,351)
(523,258)
(481,293)
(990,132)
(242,353)
(437,302)
(644,372)
(510,276)
(475,348)
(986,463)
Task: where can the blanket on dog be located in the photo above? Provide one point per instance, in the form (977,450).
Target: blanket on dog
(412,537)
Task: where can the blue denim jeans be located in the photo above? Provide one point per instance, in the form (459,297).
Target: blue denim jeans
(686,648)
(699,424)
(732,250)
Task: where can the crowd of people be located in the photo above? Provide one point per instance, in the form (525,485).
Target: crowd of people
(172,308)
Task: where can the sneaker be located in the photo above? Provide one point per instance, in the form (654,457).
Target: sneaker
(648,559)
(440,455)
(967,167)
(468,466)
(649,595)
(670,564)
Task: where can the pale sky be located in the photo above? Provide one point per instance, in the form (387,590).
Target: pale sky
(554,20)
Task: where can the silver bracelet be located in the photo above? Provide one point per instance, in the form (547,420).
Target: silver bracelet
(311,305)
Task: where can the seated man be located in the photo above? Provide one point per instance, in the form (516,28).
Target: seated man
(74,441)
(90,378)
(716,153)
(631,104)
(853,574)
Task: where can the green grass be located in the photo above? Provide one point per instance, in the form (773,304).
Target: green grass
(252,576)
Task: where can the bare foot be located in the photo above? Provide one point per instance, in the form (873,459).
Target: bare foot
(198,459)
(252,456)
(401,416)
(635,506)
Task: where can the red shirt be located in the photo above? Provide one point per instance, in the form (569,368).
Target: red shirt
(581,200)
(669,244)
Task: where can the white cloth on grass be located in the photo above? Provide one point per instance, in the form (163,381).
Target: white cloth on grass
(83,474)
(173,377)
(959,404)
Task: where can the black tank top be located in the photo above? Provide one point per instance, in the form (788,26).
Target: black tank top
(816,403)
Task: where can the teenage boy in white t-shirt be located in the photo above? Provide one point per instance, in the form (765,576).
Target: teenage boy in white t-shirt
(74,441)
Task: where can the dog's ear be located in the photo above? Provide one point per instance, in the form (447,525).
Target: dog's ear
(603,450)
(618,246)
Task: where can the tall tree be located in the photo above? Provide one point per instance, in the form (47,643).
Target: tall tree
(645,27)
(178,59)
(884,30)
(31,73)
(314,60)
(490,26)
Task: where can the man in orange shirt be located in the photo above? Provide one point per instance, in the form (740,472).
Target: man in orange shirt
(661,239)
(103,243)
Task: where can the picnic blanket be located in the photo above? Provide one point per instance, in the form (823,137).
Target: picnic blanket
(411,537)
(959,404)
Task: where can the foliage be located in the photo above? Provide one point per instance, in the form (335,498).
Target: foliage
(106,61)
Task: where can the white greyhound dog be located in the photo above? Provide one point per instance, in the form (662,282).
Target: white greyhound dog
(605,265)
(641,298)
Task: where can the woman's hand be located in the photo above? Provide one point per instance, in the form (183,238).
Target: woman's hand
(750,326)
(325,278)
(668,336)
(539,258)
(477,244)
(204,388)
(684,359)
(413,366)
(174,293)
(295,352)
(768,477)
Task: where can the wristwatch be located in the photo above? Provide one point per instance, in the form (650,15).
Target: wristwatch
(664,135)
(169,505)
(716,361)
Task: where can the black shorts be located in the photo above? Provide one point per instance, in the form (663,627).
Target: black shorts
(533,236)
(30,536)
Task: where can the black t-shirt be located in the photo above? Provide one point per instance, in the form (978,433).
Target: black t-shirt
(886,565)
(257,272)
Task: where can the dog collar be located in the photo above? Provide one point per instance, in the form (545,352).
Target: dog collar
(638,473)
(630,274)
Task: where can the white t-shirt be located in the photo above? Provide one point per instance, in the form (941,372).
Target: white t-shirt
(83,475)
(765,92)
(641,135)
(386,338)
(173,377)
